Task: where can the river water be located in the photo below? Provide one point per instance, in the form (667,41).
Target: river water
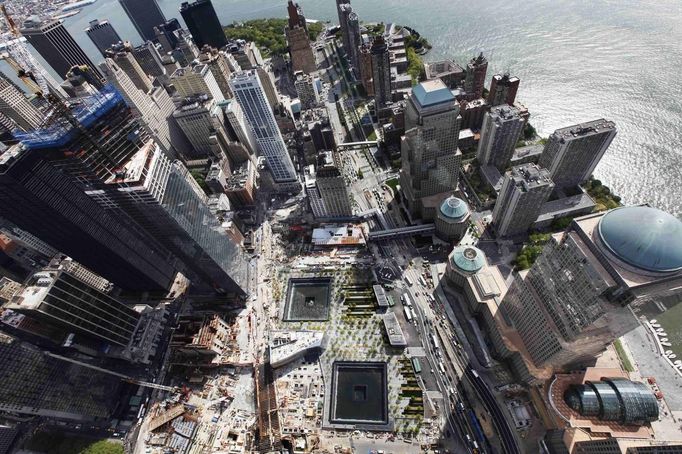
(577,60)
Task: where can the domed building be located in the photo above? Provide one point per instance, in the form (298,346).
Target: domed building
(464,262)
(574,301)
(452,219)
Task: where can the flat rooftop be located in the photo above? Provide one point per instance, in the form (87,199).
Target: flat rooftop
(380,294)
(338,235)
(395,334)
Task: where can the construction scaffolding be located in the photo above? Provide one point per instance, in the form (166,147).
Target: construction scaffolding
(58,130)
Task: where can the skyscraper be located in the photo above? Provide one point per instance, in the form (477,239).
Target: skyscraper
(501,130)
(122,54)
(474,80)
(145,15)
(524,189)
(56,45)
(248,91)
(350,32)
(430,157)
(167,34)
(300,50)
(572,153)
(503,90)
(111,161)
(154,107)
(381,72)
(35,383)
(220,65)
(32,190)
(574,300)
(331,186)
(102,35)
(365,60)
(149,59)
(15,105)
(203,23)
(57,296)
(167,202)
(196,80)
(200,118)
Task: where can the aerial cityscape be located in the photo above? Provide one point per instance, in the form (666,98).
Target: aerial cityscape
(297,235)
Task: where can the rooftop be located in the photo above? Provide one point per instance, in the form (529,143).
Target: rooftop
(467,258)
(431,93)
(395,334)
(338,235)
(454,208)
(644,237)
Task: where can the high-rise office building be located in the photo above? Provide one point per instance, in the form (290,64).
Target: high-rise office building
(15,105)
(366,75)
(32,190)
(35,383)
(167,202)
(239,126)
(220,65)
(474,80)
(248,92)
(58,296)
(503,90)
(350,31)
(149,59)
(167,34)
(501,130)
(200,119)
(154,107)
(381,72)
(145,15)
(203,23)
(113,165)
(524,189)
(573,302)
(56,45)
(102,34)
(122,54)
(331,186)
(430,157)
(196,80)
(305,88)
(300,50)
(572,153)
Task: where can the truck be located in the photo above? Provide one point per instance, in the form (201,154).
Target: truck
(409,281)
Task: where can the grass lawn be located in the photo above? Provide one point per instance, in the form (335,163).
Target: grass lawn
(393,184)
(671,322)
(624,360)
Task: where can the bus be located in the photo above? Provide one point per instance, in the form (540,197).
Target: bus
(422,281)
(408,314)
(415,364)
(434,340)
(441,367)
(409,281)
(391,303)
(406,300)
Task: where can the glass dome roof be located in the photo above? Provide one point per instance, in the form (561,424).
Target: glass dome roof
(454,208)
(467,258)
(644,237)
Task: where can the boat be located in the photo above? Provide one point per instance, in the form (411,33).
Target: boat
(653,320)
(673,356)
(666,344)
(664,339)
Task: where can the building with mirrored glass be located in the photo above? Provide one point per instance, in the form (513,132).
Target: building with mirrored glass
(614,399)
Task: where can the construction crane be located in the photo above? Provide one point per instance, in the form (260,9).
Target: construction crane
(20,59)
(123,377)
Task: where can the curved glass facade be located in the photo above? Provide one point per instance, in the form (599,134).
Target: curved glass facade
(614,399)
